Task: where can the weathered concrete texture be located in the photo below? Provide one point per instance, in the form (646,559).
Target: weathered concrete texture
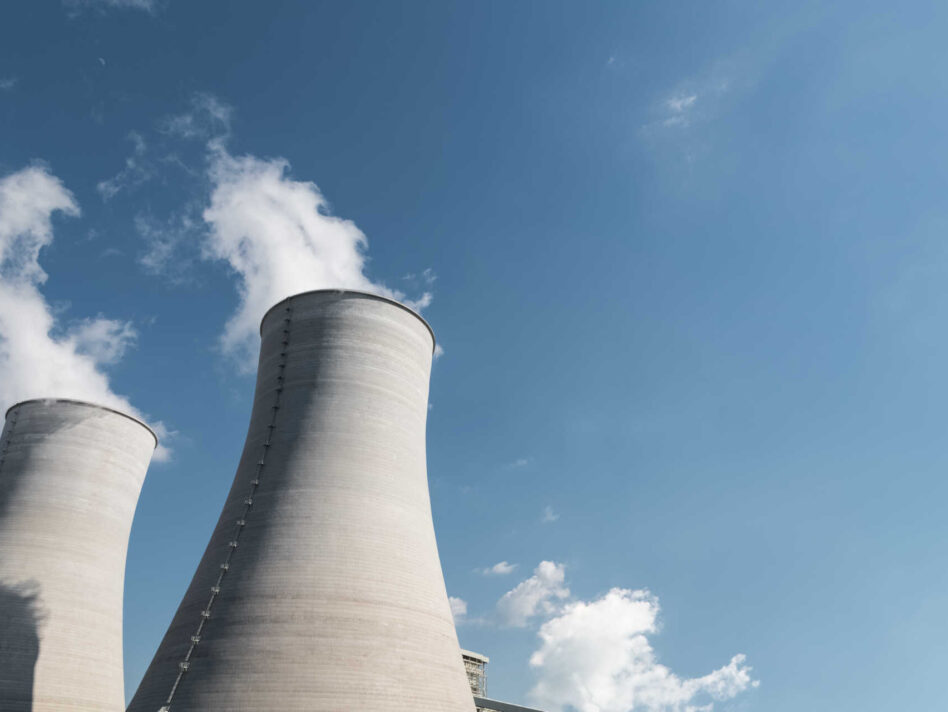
(70,475)
(333,599)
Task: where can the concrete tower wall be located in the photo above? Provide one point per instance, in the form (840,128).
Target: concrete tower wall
(70,475)
(321,589)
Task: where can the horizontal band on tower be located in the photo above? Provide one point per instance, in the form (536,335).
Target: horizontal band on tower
(358,293)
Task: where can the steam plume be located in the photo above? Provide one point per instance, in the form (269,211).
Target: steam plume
(278,237)
(275,233)
(38,357)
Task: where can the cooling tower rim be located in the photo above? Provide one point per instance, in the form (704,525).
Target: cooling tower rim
(75,401)
(476,656)
(357,292)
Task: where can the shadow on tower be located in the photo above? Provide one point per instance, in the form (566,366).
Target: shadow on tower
(20,622)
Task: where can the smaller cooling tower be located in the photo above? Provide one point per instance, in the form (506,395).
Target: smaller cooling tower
(70,475)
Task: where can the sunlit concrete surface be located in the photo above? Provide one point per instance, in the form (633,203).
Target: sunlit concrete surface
(321,588)
(70,476)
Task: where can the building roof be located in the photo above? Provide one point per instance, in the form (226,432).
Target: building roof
(475,656)
(498,706)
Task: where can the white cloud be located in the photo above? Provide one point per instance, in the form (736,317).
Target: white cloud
(682,102)
(499,569)
(458,608)
(8,83)
(438,351)
(105,341)
(536,595)
(40,358)
(596,657)
(209,118)
(549,515)
(519,463)
(135,173)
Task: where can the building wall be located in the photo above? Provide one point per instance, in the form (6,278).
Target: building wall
(70,476)
(333,596)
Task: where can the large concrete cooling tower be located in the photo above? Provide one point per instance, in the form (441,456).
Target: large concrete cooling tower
(70,475)
(321,589)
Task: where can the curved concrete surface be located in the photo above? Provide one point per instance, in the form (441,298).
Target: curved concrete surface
(70,476)
(321,588)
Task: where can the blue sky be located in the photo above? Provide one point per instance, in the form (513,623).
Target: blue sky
(686,262)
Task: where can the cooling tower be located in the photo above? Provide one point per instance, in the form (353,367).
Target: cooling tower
(70,475)
(321,589)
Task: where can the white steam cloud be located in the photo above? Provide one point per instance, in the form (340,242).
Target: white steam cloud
(278,237)
(596,657)
(275,233)
(38,357)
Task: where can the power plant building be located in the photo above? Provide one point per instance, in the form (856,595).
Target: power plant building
(321,587)
(70,476)
(475,665)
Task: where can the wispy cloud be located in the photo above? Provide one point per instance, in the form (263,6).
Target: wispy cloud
(458,609)
(501,568)
(74,6)
(693,101)
(135,173)
(39,356)
(679,108)
(549,515)
(8,83)
(105,341)
(678,104)
(426,277)
(519,463)
(209,118)
(596,655)
(172,245)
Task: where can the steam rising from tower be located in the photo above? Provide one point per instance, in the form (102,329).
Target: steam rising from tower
(321,587)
